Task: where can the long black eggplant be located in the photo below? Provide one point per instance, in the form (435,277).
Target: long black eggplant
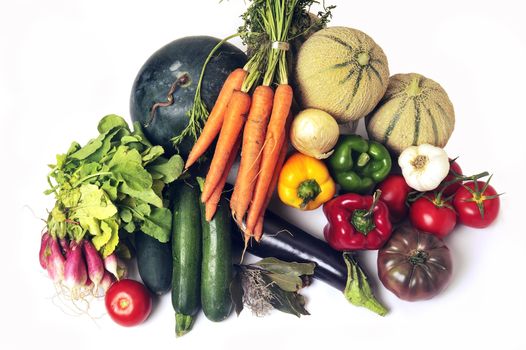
(287,242)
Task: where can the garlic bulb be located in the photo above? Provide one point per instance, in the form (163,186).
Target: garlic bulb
(314,133)
(424,166)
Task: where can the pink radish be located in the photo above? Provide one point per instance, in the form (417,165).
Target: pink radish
(110,263)
(75,274)
(65,247)
(55,261)
(107,281)
(94,263)
(44,250)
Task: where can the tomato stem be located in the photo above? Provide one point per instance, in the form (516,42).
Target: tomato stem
(418,257)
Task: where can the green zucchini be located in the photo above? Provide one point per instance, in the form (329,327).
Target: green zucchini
(186,251)
(216,271)
(154,262)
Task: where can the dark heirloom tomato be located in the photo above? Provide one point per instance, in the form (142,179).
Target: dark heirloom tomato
(414,265)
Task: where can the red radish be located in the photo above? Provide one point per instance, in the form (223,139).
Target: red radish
(75,274)
(94,263)
(110,263)
(107,281)
(44,250)
(65,246)
(55,261)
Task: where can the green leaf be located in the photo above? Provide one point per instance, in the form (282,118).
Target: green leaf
(123,250)
(137,131)
(126,166)
(70,198)
(104,237)
(288,268)
(109,247)
(143,208)
(200,182)
(152,154)
(158,224)
(125,140)
(57,214)
(129,227)
(105,149)
(76,232)
(74,147)
(90,148)
(126,215)
(110,187)
(167,170)
(147,195)
(288,302)
(110,122)
(236,292)
(357,290)
(158,187)
(286,282)
(94,202)
(91,225)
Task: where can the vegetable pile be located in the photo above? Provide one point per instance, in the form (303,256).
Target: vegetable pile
(395,190)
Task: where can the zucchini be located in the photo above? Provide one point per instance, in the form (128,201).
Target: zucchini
(217,269)
(154,262)
(186,251)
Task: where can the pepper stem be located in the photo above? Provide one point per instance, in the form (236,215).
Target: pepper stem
(308,190)
(376,198)
(363,159)
(361,219)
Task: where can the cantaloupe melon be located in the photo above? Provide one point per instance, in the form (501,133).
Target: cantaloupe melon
(341,71)
(414,110)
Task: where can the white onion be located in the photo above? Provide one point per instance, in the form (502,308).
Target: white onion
(314,133)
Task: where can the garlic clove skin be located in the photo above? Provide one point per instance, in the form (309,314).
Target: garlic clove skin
(424,166)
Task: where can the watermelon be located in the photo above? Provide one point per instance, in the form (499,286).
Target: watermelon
(154,80)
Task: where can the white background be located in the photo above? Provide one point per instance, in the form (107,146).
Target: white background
(65,64)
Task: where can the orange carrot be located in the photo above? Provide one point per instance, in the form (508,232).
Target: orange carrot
(235,117)
(213,201)
(258,229)
(217,115)
(253,140)
(274,140)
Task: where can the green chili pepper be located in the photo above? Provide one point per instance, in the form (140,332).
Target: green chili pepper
(358,164)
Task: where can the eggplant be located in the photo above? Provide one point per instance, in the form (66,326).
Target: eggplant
(287,242)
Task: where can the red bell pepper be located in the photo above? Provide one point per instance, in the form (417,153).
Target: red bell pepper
(357,222)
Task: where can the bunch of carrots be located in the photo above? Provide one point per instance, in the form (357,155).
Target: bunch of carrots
(262,117)
(250,114)
(255,122)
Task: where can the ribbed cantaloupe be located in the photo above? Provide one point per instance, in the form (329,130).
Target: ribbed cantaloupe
(414,110)
(341,71)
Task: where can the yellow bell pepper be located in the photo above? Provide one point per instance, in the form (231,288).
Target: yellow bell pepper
(305,182)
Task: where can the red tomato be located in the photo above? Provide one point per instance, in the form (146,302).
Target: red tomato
(394,194)
(128,302)
(450,190)
(477,205)
(433,215)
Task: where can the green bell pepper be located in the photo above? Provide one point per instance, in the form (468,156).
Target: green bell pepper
(358,164)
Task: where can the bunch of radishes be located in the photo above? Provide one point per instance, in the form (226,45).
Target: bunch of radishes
(77,268)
